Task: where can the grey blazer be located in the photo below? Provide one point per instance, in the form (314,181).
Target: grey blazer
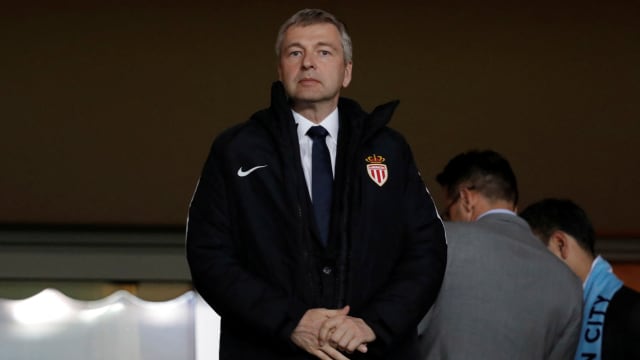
(504,296)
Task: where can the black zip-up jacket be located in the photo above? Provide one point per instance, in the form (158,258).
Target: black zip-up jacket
(254,251)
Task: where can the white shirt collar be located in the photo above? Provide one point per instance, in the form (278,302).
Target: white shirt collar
(330,123)
(497,211)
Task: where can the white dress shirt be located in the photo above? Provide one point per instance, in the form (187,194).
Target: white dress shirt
(330,123)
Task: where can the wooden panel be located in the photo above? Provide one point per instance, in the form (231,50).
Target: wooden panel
(109,107)
(629,273)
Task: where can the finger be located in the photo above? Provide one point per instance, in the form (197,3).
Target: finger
(339,330)
(321,355)
(342,337)
(324,334)
(345,310)
(336,312)
(355,343)
(335,321)
(328,327)
(333,353)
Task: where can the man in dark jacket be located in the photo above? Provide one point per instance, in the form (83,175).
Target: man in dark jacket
(297,270)
(611,314)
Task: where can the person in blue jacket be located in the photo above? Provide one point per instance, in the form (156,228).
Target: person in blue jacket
(299,266)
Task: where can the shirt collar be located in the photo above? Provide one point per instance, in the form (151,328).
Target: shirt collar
(330,123)
(497,211)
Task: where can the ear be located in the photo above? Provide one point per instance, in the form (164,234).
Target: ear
(468,204)
(347,74)
(468,198)
(559,244)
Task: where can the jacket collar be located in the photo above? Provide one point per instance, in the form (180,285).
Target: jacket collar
(365,123)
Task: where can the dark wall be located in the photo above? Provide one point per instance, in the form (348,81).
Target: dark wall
(108,110)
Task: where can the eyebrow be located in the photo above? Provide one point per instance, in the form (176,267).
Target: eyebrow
(322,43)
(319,44)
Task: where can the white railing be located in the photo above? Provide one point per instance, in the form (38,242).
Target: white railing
(50,325)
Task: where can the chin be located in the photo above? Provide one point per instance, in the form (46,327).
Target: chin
(307,97)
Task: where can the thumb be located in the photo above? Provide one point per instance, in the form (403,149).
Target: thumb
(337,312)
(344,311)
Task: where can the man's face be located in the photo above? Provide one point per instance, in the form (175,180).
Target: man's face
(311,65)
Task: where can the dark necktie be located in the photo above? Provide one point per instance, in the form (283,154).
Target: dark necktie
(321,180)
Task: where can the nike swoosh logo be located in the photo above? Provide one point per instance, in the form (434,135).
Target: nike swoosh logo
(242,173)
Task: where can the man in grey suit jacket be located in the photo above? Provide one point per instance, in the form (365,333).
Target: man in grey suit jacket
(503,296)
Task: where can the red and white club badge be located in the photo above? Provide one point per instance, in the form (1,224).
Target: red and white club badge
(376,169)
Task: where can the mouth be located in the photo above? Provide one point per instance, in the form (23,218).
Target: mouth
(308,81)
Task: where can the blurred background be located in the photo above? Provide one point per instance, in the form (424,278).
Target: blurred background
(108,109)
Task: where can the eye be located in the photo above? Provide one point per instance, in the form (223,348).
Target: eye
(325,52)
(295,53)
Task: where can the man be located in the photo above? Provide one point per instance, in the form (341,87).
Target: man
(315,241)
(611,315)
(503,296)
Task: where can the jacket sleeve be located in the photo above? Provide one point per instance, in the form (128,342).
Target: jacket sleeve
(415,283)
(241,298)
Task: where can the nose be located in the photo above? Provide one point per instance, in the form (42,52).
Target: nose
(308,62)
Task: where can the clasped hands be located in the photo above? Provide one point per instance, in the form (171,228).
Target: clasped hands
(327,333)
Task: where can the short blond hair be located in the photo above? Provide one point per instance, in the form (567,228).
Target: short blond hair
(307,17)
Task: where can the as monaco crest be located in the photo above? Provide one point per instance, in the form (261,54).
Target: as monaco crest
(376,169)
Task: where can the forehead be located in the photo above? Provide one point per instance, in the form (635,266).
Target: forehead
(311,35)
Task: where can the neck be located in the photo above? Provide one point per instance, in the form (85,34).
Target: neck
(315,111)
(582,267)
(484,206)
